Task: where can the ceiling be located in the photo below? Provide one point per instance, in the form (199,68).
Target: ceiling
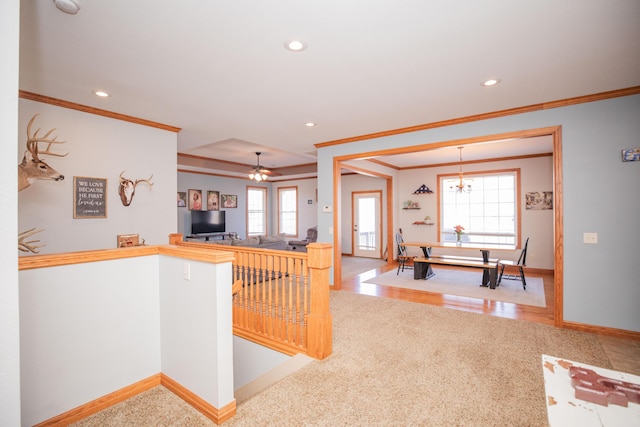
(219,69)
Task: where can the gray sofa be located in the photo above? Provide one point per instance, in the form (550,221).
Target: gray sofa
(261,242)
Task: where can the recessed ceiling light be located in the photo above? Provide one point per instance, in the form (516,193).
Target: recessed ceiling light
(309,124)
(295,45)
(491,82)
(101,94)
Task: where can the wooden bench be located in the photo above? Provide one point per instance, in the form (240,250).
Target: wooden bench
(422,267)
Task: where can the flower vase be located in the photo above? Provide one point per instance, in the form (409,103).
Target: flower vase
(458,240)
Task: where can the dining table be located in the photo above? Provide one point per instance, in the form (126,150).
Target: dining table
(484,249)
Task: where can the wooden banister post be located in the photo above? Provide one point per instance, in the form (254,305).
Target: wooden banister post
(319,329)
(175,238)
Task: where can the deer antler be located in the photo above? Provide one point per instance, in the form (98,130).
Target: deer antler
(127,188)
(33,140)
(29,246)
(148,181)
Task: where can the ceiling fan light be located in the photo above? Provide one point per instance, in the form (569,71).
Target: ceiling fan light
(258,173)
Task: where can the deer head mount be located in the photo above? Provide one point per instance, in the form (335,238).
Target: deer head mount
(32,168)
(127,188)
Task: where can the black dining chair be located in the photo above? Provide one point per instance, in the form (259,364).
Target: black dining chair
(403,256)
(522,262)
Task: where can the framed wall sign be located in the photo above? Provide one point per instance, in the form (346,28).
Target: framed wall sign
(89,197)
(128,240)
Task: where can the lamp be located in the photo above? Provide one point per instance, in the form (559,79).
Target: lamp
(463,185)
(258,174)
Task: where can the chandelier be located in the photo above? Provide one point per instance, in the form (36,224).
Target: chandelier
(463,185)
(258,173)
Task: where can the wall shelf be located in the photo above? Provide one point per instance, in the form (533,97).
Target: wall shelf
(423,223)
(410,209)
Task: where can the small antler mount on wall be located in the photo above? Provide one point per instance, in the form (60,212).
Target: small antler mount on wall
(127,188)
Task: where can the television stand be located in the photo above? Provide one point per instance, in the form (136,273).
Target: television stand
(214,236)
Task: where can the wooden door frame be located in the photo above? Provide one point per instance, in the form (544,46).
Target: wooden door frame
(554,131)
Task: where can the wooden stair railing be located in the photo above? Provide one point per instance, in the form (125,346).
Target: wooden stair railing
(280,298)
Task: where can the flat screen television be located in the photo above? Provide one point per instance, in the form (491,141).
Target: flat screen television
(205,222)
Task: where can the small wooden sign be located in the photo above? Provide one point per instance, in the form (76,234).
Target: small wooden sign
(89,197)
(631,155)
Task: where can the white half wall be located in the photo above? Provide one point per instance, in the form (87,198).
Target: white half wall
(196,325)
(91,329)
(87,330)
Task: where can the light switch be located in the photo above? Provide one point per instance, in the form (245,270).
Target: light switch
(591,238)
(186,271)
(326,208)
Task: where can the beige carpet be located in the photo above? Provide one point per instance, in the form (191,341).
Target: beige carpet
(467,283)
(397,363)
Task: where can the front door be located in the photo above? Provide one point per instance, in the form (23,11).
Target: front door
(367,224)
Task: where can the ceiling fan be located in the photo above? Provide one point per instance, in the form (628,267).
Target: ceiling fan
(258,173)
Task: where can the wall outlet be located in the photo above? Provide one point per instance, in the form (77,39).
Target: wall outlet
(590,238)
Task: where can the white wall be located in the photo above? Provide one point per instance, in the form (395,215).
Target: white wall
(196,327)
(9,312)
(87,330)
(251,360)
(99,147)
(600,281)
(536,174)
(237,217)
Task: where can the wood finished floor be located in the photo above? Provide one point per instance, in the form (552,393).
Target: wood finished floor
(623,354)
(495,308)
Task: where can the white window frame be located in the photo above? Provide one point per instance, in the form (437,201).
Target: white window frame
(288,211)
(256,211)
(489,216)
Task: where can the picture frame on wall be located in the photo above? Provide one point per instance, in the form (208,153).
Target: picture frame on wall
(213,200)
(182,199)
(89,197)
(539,200)
(229,201)
(195,200)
